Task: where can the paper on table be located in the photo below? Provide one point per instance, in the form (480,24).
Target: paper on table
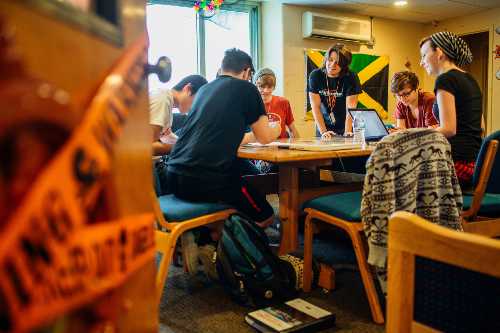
(258,144)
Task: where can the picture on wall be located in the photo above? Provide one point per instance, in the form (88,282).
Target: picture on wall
(373,72)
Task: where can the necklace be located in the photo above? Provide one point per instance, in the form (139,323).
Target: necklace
(331,98)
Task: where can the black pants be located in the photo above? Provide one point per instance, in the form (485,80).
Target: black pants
(237,193)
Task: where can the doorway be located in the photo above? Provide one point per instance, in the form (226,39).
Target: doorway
(479,46)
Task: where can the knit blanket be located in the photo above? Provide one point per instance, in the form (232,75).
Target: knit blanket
(411,171)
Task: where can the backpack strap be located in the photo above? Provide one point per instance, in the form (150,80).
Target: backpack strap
(247,256)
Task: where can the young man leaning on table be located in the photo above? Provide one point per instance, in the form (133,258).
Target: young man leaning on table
(203,165)
(161,103)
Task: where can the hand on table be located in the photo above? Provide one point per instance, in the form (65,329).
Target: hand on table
(327,135)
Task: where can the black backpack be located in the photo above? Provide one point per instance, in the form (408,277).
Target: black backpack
(247,267)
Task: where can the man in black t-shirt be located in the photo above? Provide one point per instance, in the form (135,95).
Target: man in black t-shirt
(203,164)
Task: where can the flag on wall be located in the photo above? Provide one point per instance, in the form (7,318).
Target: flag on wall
(373,72)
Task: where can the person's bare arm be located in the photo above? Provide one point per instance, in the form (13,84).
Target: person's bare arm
(161,148)
(263,133)
(350,103)
(400,124)
(316,111)
(447,113)
(247,138)
(293,130)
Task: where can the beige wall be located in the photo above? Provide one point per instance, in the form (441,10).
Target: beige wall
(272,41)
(397,39)
(485,21)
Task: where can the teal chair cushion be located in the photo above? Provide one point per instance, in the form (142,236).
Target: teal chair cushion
(490,206)
(176,210)
(345,206)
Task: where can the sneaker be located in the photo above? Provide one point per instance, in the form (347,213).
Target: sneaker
(207,257)
(189,250)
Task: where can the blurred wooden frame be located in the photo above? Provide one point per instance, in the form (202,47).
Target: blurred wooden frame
(410,236)
(168,233)
(477,224)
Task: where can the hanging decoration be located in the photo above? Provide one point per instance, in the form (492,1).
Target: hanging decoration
(207,8)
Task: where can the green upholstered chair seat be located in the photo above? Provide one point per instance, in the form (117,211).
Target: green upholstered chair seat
(345,206)
(490,205)
(176,210)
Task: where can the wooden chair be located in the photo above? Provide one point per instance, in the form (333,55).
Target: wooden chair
(175,216)
(482,208)
(341,210)
(440,279)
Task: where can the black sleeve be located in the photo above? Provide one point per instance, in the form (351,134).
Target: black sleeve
(355,85)
(446,82)
(314,84)
(254,104)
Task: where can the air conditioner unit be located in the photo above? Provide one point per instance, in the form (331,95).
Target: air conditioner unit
(316,25)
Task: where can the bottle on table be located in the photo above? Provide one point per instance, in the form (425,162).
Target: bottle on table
(358,129)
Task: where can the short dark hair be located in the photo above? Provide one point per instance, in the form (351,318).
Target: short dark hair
(401,79)
(236,61)
(196,81)
(425,40)
(344,57)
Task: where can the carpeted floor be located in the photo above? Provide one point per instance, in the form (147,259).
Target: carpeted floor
(192,305)
(197,305)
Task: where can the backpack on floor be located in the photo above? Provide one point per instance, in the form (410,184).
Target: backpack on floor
(247,267)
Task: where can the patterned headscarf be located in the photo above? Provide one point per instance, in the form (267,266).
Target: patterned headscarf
(453,46)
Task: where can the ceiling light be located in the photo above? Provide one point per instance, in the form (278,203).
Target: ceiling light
(400,3)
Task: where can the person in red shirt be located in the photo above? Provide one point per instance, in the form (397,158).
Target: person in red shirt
(278,108)
(414,107)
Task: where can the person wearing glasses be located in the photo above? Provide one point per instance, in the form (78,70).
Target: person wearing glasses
(458,105)
(414,107)
(332,89)
(203,165)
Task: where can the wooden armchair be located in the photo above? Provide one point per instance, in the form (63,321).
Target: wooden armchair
(441,280)
(175,216)
(482,208)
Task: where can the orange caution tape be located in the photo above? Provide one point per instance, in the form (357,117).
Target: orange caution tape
(53,256)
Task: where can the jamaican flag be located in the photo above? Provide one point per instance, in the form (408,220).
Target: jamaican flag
(373,72)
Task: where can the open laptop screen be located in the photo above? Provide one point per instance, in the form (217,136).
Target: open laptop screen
(374,127)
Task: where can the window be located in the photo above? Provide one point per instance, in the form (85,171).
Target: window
(195,44)
(100,17)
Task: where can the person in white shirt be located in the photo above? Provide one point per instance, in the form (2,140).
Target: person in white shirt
(161,103)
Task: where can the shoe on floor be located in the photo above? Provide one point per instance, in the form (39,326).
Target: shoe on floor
(190,252)
(207,258)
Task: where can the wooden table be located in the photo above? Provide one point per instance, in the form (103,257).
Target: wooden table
(290,196)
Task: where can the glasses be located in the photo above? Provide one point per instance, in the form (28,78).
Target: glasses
(405,94)
(250,77)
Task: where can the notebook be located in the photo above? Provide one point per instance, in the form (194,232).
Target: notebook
(375,129)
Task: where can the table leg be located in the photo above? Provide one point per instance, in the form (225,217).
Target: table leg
(289,207)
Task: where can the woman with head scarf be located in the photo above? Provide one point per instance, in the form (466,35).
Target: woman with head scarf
(332,89)
(458,106)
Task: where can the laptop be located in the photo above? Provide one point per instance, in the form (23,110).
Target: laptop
(375,129)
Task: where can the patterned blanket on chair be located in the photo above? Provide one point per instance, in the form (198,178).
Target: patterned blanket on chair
(411,171)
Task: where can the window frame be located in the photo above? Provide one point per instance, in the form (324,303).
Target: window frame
(251,7)
(104,21)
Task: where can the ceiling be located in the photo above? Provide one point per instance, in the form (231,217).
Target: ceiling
(423,11)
